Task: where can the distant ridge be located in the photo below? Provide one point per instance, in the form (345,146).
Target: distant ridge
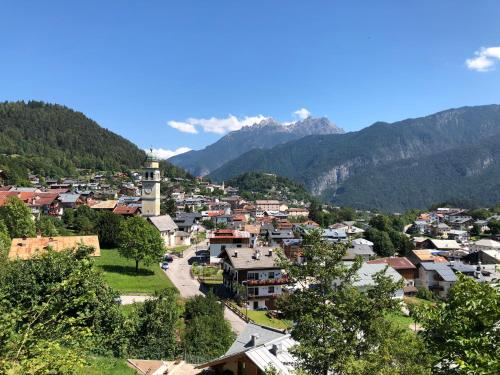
(450,155)
(266,134)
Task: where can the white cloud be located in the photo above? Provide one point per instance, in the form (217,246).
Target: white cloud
(302,113)
(162,153)
(484,59)
(183,127)
(215,125)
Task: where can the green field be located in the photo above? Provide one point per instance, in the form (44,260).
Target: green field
(401,320)
(260,317)
(106,366)
(120,274)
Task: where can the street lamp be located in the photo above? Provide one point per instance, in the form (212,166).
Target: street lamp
(246,298)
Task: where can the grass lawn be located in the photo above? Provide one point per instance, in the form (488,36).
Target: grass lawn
(106,366)
(260,317)
(120,274)
(177,249)
(401,320)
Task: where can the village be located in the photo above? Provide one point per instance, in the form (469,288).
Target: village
(220,242)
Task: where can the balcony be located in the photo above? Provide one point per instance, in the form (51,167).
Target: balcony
(263,282)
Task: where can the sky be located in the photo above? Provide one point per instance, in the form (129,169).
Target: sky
(177,75)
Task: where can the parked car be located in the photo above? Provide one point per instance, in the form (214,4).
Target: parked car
(168,258)
(199,260)
(262,308)
(164,265)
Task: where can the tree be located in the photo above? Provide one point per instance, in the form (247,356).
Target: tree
(382,244)
(55,308)
(168,207)
(46,227)
(463,332)
(476,230)
(108,228)
(140,241)
(401,242)
(337,325)
(381,222)
(18,218)
(153,332)
(4,241)
(207,331)
(494,226)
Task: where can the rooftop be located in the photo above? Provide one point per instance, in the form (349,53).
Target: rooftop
(25,248)
(398,263)
(246,258)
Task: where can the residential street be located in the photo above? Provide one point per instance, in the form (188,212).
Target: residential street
(180,276)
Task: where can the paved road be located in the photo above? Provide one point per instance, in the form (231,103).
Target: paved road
(180,276)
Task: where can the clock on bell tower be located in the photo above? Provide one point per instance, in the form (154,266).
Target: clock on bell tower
(151,186)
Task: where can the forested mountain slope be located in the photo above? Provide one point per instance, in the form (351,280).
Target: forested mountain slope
(53,140)
(358,168)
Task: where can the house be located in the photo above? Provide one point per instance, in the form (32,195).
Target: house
(298,212)
(443,245)
(267,205)
(127,211)
(182,238)
(461,222)
(107,205)
(187,221)
(70,200)
(359,247)
(461,236)
(257,271)
(223,239)
(425,256)
(254,351)
(166,227)
(254,231)
(486,244)
(292,249)
(276,237)
(26,248)
(437,277)
(365,276)
(405,268)
(334,235)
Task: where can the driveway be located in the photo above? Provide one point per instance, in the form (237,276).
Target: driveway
(179,274)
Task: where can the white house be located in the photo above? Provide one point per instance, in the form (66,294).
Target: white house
(167,228)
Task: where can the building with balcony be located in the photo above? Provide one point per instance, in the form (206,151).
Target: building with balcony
(253,274)
(223,239)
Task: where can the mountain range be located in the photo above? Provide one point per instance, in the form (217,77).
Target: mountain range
(450,155)
(264,135)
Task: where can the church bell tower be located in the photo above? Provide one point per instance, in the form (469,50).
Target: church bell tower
(151,186)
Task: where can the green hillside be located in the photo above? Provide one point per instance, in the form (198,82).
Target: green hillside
(54,141)
(255,185)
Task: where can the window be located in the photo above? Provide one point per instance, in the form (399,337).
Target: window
(271,275)
(253,276)
(270,290)
(253,291)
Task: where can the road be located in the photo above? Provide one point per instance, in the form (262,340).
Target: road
(179,274)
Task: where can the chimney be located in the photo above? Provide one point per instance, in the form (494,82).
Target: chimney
(253,339)
(270,252)
(236,253)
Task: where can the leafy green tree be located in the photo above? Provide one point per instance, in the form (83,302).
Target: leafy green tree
(476,230)
(382,244)
(463,332)
(381,223)
(336,324)
(55,308)
(206,331)
(5,241)
(85,220)
(140,241)
(154,326)
(401,242)
(46,227)
(494,226)
(208,224)
(18,218)
(168,207)
(108,228)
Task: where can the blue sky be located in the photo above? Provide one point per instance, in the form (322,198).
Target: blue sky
(137,66)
